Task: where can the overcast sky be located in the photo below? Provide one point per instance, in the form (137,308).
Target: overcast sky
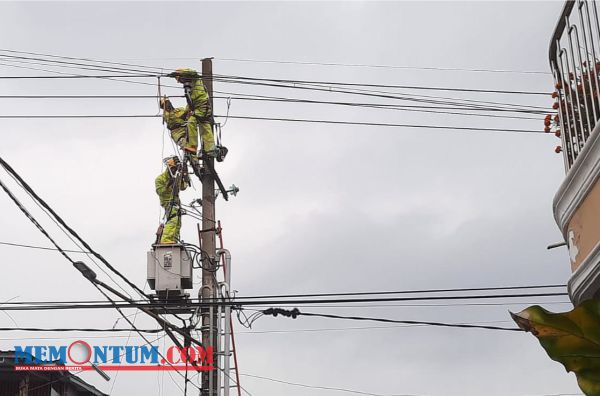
(322,208)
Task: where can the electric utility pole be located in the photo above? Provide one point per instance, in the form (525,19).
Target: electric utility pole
(210,385)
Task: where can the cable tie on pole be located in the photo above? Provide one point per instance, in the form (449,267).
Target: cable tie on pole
(293,313)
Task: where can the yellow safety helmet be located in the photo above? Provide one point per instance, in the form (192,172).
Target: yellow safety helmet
(185,74)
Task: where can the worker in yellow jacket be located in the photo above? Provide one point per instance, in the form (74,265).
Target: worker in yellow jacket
(168,184)
(177,123)
(200,110)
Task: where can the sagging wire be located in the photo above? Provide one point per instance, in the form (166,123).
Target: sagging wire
(196,213)
(66,228)
(295,313)
(194,206)
(198,256)
(227,115)
(70,237)
(135,315)
(159,93)
(248,320)
(192,210)
(7,314)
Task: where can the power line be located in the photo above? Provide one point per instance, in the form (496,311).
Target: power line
(383,106)
(39,200)
(294,313)
(42,247)
(85,96)
(253,81)
(305,295)
(382,94)
(69,236)
(80,59)
(485,304)
(421,109)
(50,64)
(84,66)
(34,221)
(293,100)
(440,105)
(468,289)
(355,92)
(481,70)
(82,116)
(376,124)
(76,76)
(132,324)
(145,69)
(329,388)
(455,128)
(416,87)
(341,294)
(316,85)
(242,303)
(84,329)
(71,75)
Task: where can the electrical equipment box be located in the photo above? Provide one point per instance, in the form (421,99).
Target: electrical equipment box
(169,269)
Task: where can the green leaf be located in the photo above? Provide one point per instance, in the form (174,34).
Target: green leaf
(570,338)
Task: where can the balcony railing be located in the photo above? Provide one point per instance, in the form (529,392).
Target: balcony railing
(574,52)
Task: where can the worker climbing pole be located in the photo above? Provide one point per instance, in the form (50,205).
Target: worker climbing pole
(199,113)
(168,185)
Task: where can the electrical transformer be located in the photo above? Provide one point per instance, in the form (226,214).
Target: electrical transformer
(169,269)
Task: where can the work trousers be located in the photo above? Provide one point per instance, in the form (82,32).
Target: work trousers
(200,119)
(172,227)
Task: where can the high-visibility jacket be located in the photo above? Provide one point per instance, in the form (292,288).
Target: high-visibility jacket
(200,111)
(196,96)
(164,184)
(169,200)
(176,120)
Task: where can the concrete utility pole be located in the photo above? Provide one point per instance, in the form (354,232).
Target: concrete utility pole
(210,385)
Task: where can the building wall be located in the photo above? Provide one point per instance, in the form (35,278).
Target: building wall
(583,232)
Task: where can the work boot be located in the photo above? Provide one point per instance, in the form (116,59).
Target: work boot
(217,153)
(222,153)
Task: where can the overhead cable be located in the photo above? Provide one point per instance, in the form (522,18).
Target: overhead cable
(34,221)
(329,294)
(376,124)
(41,247)
(455,128)
(242,303)
(235,79)
(26,186)
(379,94)
(80,64)
(294,313)
(478,70)
(327,388)
(416,87)
(93,64)
(84,329)
(80,59)
(381,106)
(71,75)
